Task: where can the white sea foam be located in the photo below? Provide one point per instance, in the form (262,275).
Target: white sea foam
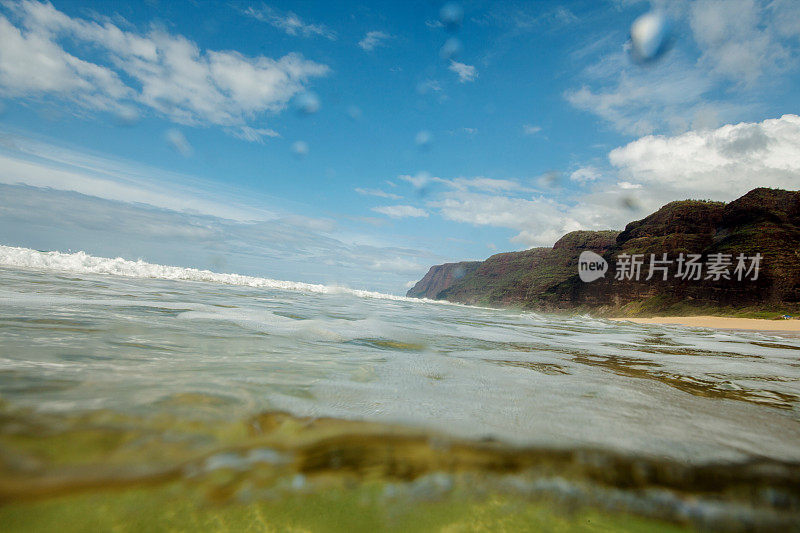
(83,263)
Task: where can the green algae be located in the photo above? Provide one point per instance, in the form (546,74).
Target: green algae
(363,507)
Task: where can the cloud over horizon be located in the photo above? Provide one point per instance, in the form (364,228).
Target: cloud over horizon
(720,164)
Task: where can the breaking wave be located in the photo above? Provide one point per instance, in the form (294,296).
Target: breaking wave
(83,263)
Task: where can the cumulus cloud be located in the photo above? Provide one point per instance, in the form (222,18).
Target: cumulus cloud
(373,39)
(465,72)
(720,164)
(585,174)
(401,211)
(742,46)
(289,23)
(539,220)
(641,176)
(33,65)
(168,74)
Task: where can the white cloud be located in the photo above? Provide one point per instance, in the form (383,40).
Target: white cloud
(427,86)
(529,129)
(482,184)
(168,74)
(396,264)
(640,101)
(26,161)
(737,37)
(373,39)
(289,23)
(585,174)
(721,164)
(33,65)
(55,198)
(292,247)
(401,211)
(256,135)
(419,180)
(465,72)
(743,46)
(539,220)
(377,192)
(178,142)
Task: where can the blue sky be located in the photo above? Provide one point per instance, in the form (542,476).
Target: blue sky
(359,143)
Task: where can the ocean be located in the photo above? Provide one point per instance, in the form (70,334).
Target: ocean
(115,372)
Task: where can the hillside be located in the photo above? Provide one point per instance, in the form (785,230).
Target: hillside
(764,221)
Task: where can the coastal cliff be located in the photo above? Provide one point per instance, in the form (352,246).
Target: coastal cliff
(440,277)
(763,221)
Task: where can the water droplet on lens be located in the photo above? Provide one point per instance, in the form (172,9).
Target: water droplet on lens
(423,139)
(552,179)
(451,15)
(651,37)
(354,112)
(451,48)
(307,103)
(630,203)
(300,148)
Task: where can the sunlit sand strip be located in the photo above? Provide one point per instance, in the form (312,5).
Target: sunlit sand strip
(717,322)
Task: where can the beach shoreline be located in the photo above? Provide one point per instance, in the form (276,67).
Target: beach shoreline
(719,322)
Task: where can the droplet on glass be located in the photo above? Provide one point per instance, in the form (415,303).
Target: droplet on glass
(354,112)
(651,37)
(450,49)
(630,203)
(423,139)
(552,179)
(307,103)
(300,148)
(451,15)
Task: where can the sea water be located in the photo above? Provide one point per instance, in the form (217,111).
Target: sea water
(82,334)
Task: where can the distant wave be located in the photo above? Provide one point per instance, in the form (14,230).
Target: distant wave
(83,263)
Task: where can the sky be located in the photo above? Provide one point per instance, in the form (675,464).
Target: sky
(359,143)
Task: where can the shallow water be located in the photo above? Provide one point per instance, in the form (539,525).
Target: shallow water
(74,341)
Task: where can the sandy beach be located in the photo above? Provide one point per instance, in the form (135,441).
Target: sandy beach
(717,322)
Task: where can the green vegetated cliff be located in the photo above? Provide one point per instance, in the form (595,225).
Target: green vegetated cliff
(763,221)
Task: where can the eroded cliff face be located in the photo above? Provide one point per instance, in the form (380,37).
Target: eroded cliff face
(440,277)
(764,221)
(516,278)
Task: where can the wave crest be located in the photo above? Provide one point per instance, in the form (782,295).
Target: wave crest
(83,263)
